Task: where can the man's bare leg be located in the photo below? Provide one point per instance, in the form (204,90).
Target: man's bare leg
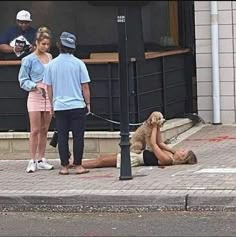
(100,162)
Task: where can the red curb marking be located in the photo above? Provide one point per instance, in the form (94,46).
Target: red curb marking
(215,139)
(97,176)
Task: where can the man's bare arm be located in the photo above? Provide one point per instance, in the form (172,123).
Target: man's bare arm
(5,48)
(86,94)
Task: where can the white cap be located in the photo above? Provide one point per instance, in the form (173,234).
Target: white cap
(23,15)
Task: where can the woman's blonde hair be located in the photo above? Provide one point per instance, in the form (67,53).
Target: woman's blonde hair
(43,33)
(190,158)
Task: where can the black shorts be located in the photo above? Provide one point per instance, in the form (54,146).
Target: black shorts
(149,158)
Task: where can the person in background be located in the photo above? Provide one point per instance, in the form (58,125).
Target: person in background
(30,78)
(67,80)
(18,40)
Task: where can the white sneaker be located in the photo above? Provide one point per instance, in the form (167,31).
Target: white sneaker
(43,165)
(31,166)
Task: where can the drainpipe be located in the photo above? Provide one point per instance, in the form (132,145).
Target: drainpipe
(215,63)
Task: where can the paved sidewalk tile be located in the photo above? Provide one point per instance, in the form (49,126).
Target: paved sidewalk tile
(215,147)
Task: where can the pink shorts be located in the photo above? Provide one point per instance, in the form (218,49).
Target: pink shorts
(36,102)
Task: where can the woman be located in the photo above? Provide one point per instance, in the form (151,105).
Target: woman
(38,105)
(162,155)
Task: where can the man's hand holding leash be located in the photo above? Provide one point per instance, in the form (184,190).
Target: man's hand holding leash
(88,108)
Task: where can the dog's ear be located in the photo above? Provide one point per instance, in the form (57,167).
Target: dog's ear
(155,118)
(149,120)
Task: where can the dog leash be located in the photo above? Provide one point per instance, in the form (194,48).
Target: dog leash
(112,121)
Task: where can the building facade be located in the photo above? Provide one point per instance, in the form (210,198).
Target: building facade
(160,50)
(204,20)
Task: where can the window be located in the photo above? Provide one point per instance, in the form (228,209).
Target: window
(160,25)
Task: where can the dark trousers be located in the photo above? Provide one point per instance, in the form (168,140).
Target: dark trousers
(73,120)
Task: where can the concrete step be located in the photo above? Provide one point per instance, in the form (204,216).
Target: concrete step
(15,145)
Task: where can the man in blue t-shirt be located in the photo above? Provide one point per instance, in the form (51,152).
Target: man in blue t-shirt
(67,80)
(17,41)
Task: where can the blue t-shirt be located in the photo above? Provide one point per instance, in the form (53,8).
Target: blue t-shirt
(65,74)
(15,35)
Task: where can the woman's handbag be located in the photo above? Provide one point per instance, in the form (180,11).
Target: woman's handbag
(54,139)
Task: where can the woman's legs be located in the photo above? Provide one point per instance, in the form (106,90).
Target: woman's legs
(45,122)
(33,140)
(39,124)
(100,162)
(34,133)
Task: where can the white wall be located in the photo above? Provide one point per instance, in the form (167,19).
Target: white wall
(227,57)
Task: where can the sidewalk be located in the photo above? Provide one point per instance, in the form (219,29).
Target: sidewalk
(208,185)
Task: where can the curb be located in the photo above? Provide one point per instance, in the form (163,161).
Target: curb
(213,203)
(92,203)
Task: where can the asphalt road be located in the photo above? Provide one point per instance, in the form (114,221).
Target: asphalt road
(118,224)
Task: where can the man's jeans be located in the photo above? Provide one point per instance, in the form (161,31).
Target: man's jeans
(73,120)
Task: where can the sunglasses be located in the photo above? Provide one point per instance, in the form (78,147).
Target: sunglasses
(23,22)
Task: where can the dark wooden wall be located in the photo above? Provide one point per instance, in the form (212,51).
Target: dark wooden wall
(94,25)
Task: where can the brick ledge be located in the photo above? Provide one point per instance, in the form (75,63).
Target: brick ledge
(170,124)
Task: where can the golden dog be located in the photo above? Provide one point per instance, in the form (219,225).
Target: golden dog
(141,137)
